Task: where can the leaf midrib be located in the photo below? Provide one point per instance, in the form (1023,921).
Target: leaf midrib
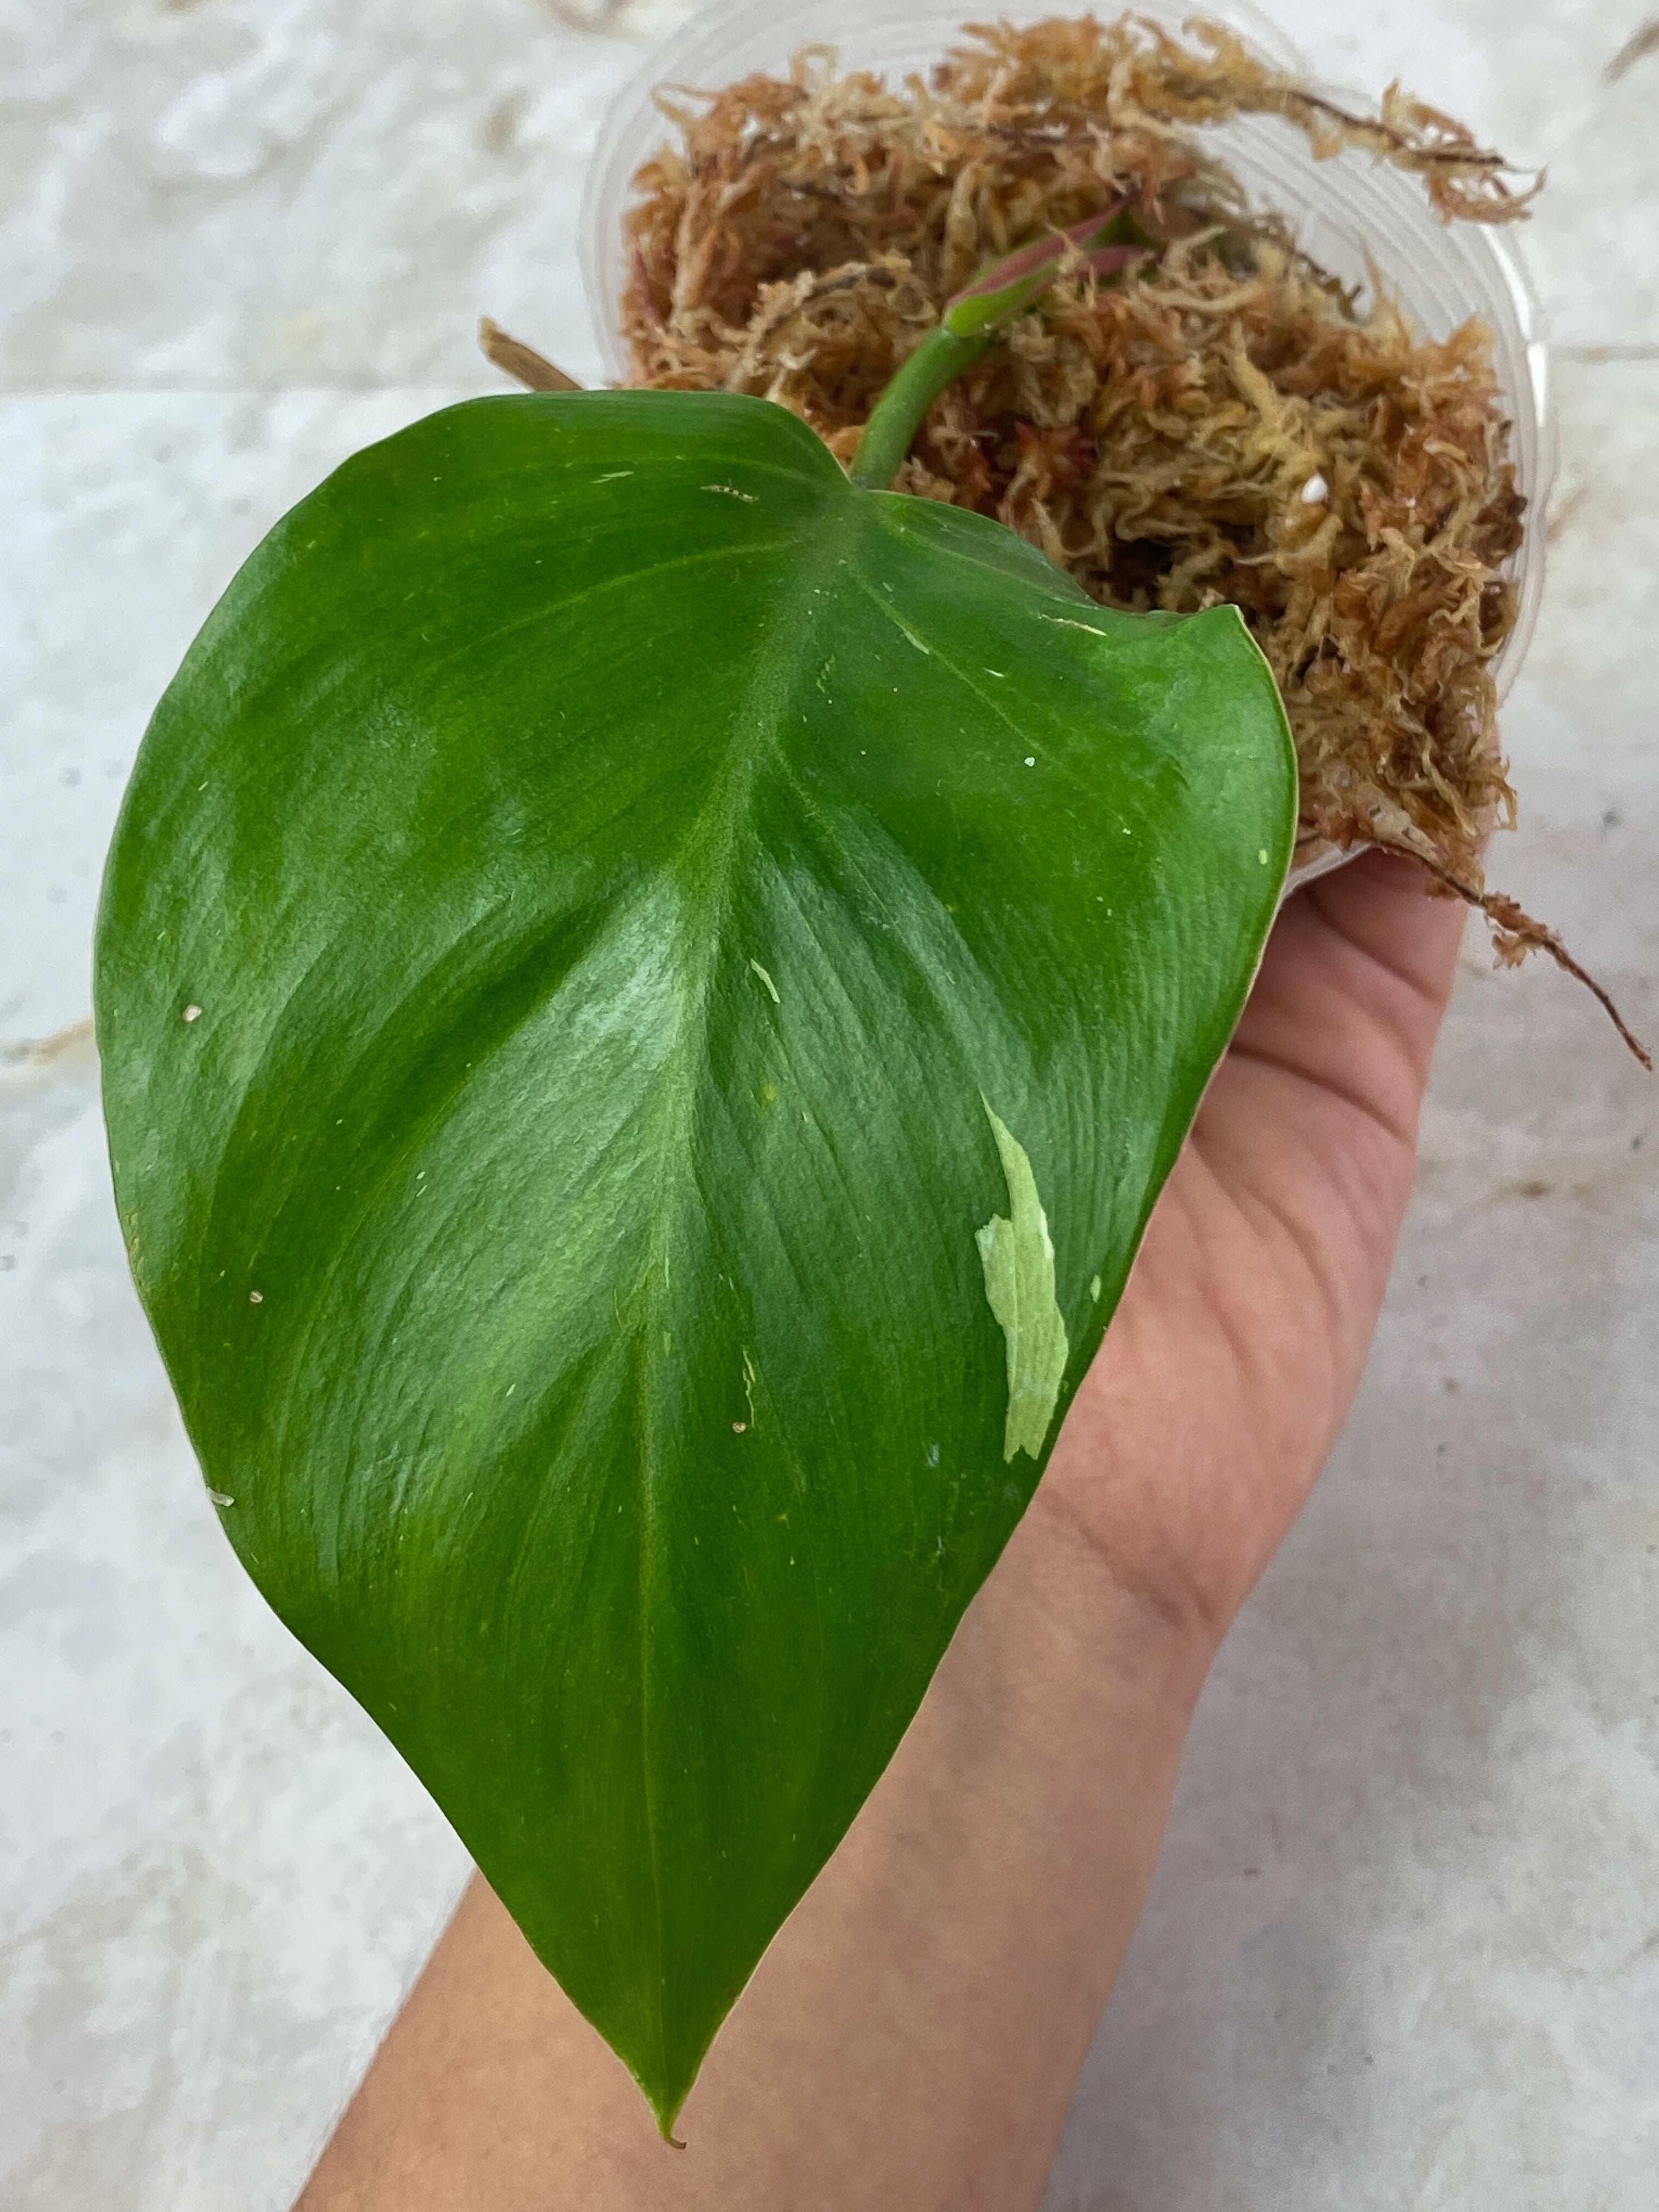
(707,862)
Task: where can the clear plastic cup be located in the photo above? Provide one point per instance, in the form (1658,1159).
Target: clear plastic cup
(1351,214)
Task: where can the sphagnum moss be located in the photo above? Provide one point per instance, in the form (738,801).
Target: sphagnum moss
(1229,424)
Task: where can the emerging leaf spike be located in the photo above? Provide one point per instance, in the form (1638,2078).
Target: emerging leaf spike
(1107,242)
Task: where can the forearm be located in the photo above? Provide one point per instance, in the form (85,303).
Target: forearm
(912,2037)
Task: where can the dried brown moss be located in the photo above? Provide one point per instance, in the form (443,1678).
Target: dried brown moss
(1230,425)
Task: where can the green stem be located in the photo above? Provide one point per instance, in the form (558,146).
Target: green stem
(970,321)
(898,414)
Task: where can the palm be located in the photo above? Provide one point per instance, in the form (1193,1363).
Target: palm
(1240,1340)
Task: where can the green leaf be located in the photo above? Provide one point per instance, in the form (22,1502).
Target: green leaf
(574,912)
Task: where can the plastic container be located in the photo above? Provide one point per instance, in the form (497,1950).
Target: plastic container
(1351,214)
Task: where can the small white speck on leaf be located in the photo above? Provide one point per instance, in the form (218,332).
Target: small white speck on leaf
(255,1298)
(1316,491)
(193,1013)
(1261,857)
(1094,1287)
(738,1427)
(1031,760)
(767,980)
(221,1498)
(749,498)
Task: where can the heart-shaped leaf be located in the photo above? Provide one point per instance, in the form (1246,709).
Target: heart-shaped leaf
(645,996)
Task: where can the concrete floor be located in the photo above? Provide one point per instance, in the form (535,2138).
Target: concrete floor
(1404,1945)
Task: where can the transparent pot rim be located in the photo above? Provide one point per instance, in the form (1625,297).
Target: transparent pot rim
(1348,208)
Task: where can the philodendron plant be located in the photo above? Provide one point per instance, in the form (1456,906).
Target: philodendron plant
(646,991)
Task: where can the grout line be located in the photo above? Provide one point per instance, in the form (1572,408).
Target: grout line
(1642,41)
(39,1051)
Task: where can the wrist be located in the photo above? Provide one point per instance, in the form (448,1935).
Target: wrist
(1147,1649)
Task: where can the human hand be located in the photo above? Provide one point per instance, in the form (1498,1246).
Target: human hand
(1236,1352)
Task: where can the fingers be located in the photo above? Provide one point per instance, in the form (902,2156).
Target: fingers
(1331,1058)
(1380,909)
(1354,981)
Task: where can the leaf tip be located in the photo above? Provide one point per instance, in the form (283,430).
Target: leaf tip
(666,2105)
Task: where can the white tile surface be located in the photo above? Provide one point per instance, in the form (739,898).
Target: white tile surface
(218,1876)
(1404,1948)
(269,192)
